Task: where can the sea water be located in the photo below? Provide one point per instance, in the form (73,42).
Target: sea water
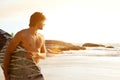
(91,64)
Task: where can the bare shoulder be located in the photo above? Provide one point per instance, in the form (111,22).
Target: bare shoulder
(20,33)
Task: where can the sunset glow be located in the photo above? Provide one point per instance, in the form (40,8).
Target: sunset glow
(67,20)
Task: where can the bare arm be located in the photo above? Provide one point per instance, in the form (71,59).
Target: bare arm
(42,54)
(10,49)
(43,50)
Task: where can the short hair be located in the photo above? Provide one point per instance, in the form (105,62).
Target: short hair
(35,17)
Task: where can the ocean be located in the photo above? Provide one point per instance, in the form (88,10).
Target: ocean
(96,63)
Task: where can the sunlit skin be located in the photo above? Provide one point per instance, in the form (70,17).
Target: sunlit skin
(31,40)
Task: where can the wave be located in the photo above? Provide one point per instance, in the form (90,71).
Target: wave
(94,52)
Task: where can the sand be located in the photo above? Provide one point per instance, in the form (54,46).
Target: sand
(81,68)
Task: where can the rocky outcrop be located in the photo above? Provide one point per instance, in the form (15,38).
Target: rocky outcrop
(109,47)
(4,37)
(55,46)
(92,45)
(4,40)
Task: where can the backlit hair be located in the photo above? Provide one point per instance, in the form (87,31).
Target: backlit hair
(35,17)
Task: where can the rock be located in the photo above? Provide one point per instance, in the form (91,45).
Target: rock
(92,45)
(55,46)
(109,47)
(4,37)
(4,41)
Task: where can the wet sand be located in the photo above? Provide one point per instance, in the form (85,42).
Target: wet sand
(75,67)
(81,68)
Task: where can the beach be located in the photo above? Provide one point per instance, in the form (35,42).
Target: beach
(81,68)
(91,64)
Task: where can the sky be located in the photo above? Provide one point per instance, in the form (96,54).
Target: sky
(77,21)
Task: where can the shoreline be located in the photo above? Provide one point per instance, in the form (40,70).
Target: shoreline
(81,68)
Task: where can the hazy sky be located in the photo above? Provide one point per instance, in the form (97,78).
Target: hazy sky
(67,20)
